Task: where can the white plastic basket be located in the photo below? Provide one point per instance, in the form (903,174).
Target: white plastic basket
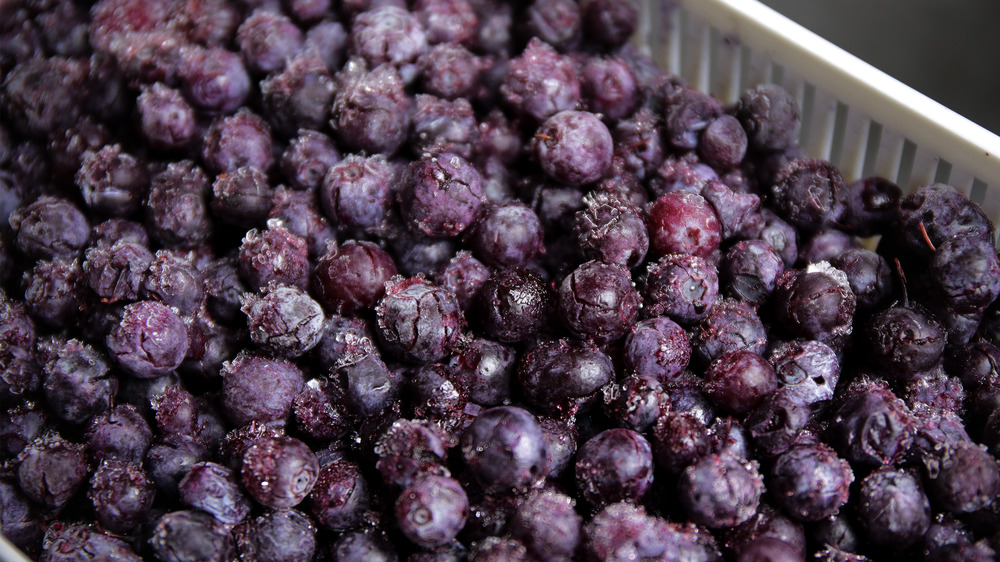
(854,115)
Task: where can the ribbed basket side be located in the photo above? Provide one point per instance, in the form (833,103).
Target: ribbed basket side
(851,136)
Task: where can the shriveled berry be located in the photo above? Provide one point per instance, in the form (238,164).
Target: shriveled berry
(279,472)
(150,341)
(417,320)
(720,491)
(598,301)
(256,388)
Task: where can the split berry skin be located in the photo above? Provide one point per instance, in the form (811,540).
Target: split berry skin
(872,426)
(597,301)
(284,321)
(574,147)
(816,303)
(713,505)
(115,272)
(112,182)
(505,449)
(905,340)
(150,341)
(177,210)
(279,472)
(808,370)
(513,305)
(615,465)
(750,270)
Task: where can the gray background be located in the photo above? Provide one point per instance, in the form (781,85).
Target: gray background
(946,49)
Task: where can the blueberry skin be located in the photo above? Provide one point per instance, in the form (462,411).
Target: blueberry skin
(505,449)
(574,147)
(711,504)
(598,301)
(432,511)
(615,465)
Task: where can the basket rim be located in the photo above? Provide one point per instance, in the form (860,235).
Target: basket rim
(955,138)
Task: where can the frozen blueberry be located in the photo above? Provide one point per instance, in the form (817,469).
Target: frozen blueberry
(574,147)
(242,197)
(51,469)
(238,140)
(810,482)
(505,235)
(371,111)
(284,321)
(279,472)
(49,227)
(615,465)
(150,341)
(118,433)
(892,508)
(389,35)
(417,320)
(548,525)
(729,326)
(657,348)
(177,211)
(505,449)
(683,223)
(611,230)
(868,274)
(256,388)
(736,382)
(340,497)
(720,491)
(872,204)
(513,305)
(274,255)
(442,194)
(121,494)
(286,535)
(432,511)
(598,301)
(610,22)
(167,121)
(905,340)
(556,375)
(683,287)
(308,158)
(450,71)
(191,535)
(525,85)
(299,96)
(267,39)
(808,370)
(115,272)
(770,116)
(816,303)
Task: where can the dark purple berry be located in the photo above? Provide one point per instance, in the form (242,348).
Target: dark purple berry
(729,326)
(513,305)
(905,340)
(872,204)
(417,320)
(598,302)
(274,255)
(432,511)
(683,223)
(279,472)
(720,491)
(770,116)
(50,470)
(615,465)
(238,140)
(284,321)
(816,303)
(119,433)
(505,449)
(548,525)
(683,287)
(150,341)
(524,87)
(242,197)
(256,388)
(442,194)
(738,381)
(122,495)
(657,348)
(557,375)
(610,22)
(611,230)
(308,158)
(77,382)
(177,206)
(267,40)
(810,482)
(574,147)
(49,227)
(166,120)
(286,535)
(371,111)
(808,370)
(191,535)
(351,277)
(892,508)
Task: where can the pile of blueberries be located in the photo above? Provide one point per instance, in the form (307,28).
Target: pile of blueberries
(446,280)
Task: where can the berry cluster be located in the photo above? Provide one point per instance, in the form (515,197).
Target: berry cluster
(448,280)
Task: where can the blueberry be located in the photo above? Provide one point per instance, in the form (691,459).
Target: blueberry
(308,159)
(598,302)
(657,348)
(286,535)
(191,535)
(340,497)
(450,71)
(807,369)
(720,491)
(611,230)
(352,277)
(49,227)
(417,320)
(168,122)
(442,194)
(770,116)
(267,40)
(610,22)
(615,465)
(683,223)
(150,341)
(299,96)
(279,472)
(574,147)
(810,482)
(505,235)
(118,433)
(547,524)
(257,388)
(51,469)
(284,321)
(389,35)
(62,538)
(464,275)
(682,287)
(635,402)
(238,140)
(274,255)
(242,197)
(214,489)
(77,382)
(505,449)
(557,376)
(816,303)
(121,494)
(524,88)
(738,381)
(177,212)
(371,111)
(513,305)
(893,509)
(432,511)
